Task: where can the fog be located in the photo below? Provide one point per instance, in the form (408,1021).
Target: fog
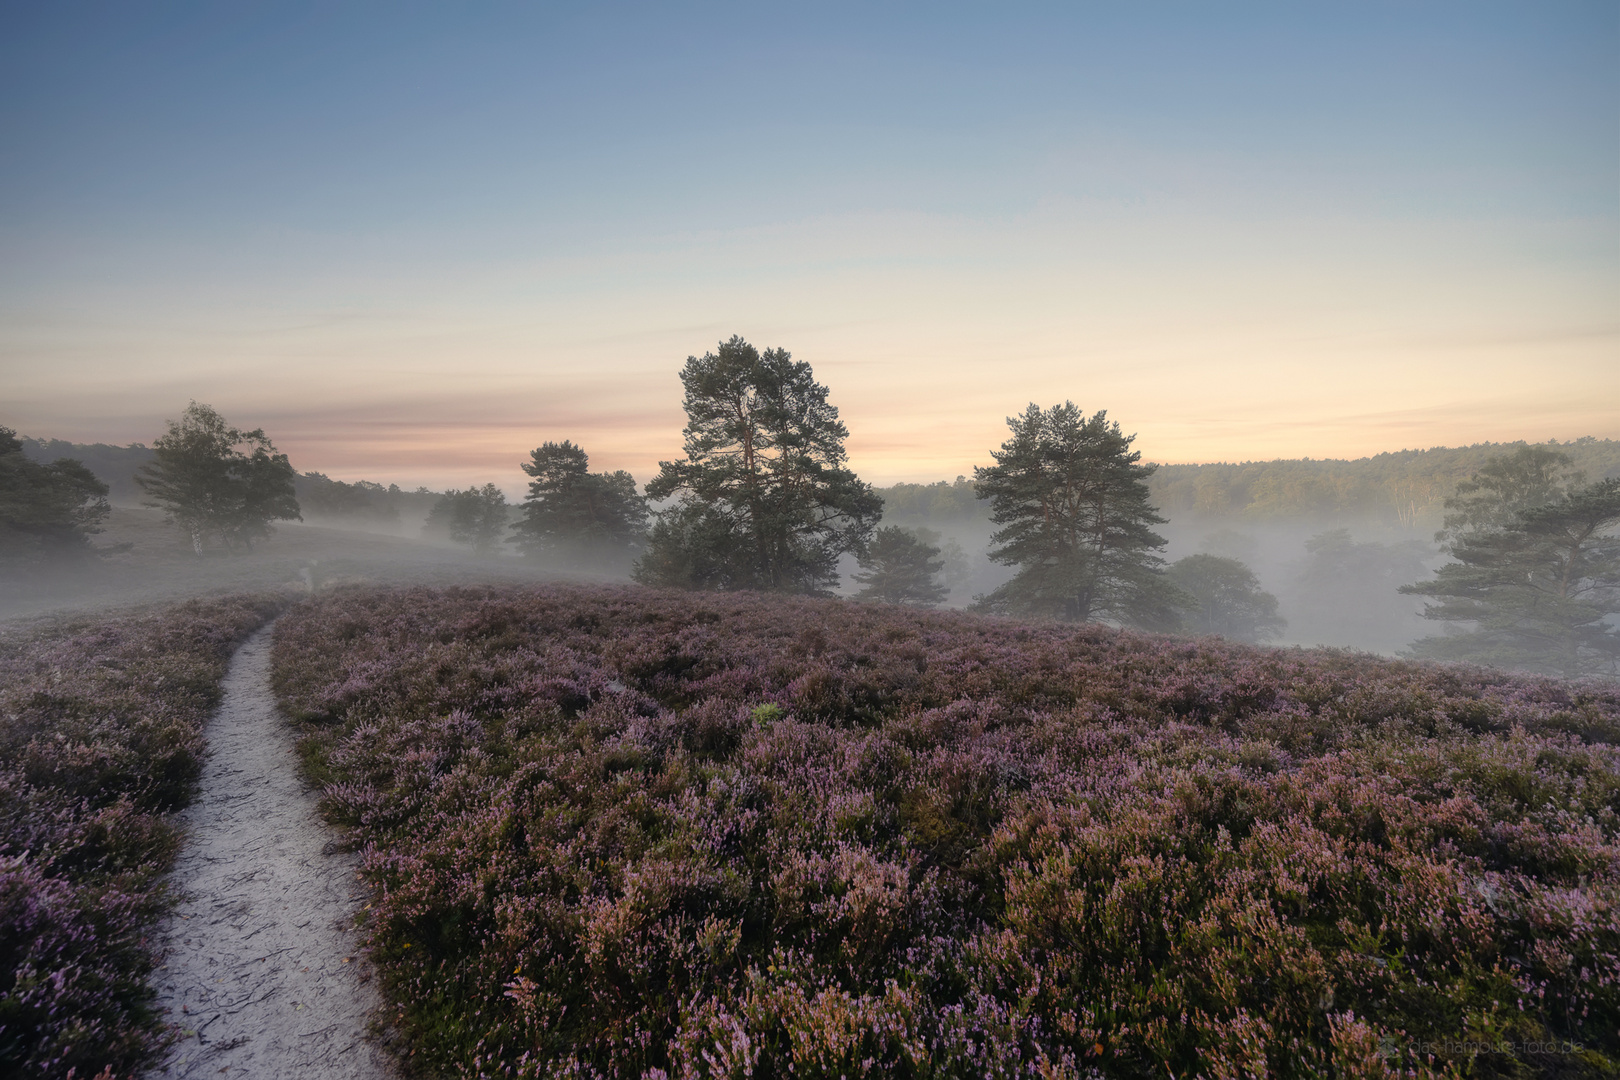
(159,566)
(1332,541)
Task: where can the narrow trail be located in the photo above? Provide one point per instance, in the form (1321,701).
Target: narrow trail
(263,975)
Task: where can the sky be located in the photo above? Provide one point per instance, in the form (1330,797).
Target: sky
(412,242)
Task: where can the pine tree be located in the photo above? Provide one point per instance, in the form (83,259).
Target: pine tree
(574,513)
(899,568)
(764,498)
(1072,503)
(1505,485)
(1536,593)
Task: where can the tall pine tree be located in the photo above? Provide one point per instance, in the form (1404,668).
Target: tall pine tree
(763,498)
(573,513)
(1536,593)
(1072,502)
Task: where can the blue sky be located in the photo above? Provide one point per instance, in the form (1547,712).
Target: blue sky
(414,241)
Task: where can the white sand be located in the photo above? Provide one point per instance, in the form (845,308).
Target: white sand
(263,976)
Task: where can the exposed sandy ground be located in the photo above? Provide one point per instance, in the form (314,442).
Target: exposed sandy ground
(264,977)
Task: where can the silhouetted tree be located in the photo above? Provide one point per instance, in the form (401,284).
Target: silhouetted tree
(215,480)
(577,514)
(1536,593)
(476,516)
(899,568)
(1226,599)
(1072,503)
(46,510)
(765,500)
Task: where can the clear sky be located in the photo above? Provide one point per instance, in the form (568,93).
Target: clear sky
(414,241)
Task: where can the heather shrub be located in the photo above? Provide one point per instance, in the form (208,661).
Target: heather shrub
(100,741)
(638,833)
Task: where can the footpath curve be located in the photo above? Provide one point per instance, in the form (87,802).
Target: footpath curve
(263,975)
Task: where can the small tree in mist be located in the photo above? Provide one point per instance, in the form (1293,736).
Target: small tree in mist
(1225,598)
(764,498)
(216,480)
(1537,591)
(476,517)
(46,510)
(899,568)
(1072,503)
(576,514)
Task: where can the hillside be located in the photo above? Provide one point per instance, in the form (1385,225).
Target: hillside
(623,832)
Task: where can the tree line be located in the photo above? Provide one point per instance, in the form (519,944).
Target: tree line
(763,499)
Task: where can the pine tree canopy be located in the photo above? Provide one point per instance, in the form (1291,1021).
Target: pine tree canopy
(46,510)
(1537,593)
(900,568)
(1072,502)
(763,498)
(574,512)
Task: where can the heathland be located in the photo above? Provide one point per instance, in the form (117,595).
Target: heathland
(630,832)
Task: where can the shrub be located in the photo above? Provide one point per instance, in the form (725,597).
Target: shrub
(965,846)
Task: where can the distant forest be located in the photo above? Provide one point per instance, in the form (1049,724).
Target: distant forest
(361,503)
(1403,489)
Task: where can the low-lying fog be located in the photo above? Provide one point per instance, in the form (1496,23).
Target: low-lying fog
(1336,585)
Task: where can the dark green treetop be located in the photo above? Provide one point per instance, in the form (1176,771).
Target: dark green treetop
(1537,593)
(46,510)
(1504,486)
(574,512)
(1072,502)
(898,567)
(476,517)
(763,497)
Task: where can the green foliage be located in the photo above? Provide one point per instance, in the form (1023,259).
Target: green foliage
(1072,503)
(215,480)
(1491,499)
(476,516)
(765,500)
(900,568)
(1537,592)
(1226,599)
(46,510)
(576,513)
(939,503)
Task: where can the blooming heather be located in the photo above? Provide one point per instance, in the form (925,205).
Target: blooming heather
(633,833)
(100,741)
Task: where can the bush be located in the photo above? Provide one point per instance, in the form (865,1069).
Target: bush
(627,833)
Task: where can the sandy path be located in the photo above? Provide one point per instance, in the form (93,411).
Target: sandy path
(263,976)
